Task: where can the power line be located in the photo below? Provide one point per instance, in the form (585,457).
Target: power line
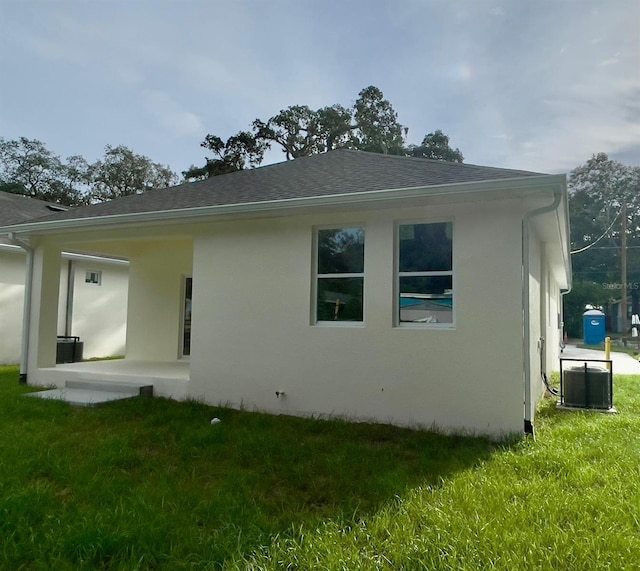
(610,248)
(598,240)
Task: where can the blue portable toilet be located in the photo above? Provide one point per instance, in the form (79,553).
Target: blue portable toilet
(594,327)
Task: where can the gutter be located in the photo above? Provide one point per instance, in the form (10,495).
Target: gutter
(568,262)
(73,256)
(26,310)
(526,295)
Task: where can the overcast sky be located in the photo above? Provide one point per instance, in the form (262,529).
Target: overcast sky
(536,85)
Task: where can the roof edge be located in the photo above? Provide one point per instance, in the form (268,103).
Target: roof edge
(76,256)
(450,189)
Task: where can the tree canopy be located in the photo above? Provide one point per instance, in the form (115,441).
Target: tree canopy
(240,151)
(377,128)
(601,193)
(27,167)
(436,146)
(121,172)
(370,124)
(598,190)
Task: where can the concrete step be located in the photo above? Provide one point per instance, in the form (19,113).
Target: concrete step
(91,393)
(133,389)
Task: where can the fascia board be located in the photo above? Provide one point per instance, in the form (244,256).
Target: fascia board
(94,259)
(11,248)
(72,256)
(529,183)
(564,235)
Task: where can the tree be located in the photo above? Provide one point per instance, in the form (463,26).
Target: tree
(301,131)
(237,153)
(296,129)
(599,191)
(336,128)
(604,208)
(436,146)
(27,167)
(377,127)
(371,124)
(122,172)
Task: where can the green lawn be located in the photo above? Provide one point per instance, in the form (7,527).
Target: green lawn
(150,484)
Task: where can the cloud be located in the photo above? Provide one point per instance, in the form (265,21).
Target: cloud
(535,85)
(171,116)
(59,38)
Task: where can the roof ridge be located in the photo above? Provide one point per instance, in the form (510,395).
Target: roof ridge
(434,161)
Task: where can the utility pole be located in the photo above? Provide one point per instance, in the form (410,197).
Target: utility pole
(623,263)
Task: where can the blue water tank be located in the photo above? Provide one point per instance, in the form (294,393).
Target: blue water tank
(594,327)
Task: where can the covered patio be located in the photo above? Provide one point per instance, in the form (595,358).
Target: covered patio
(158,310)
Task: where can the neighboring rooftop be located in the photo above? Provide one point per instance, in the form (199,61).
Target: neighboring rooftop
(333,173)
(15,208)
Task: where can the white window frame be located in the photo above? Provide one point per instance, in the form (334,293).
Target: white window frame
(398,274)
(317,276)
(88,277)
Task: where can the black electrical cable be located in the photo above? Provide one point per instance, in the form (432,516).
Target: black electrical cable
(555,392)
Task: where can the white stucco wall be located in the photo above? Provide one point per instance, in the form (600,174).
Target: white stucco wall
(554,331)
(44,306)
(12,271)
(538,316)
(545,301)
(156,276)
(99,312)
(253,336)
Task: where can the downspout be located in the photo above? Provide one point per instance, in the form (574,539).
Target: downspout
(26,311)
(526,294)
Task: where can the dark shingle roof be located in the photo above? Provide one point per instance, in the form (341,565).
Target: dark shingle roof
(15,208)
(337,172)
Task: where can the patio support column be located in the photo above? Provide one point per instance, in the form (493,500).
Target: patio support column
(44,307)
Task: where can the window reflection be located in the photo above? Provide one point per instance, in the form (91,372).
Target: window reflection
(340,274)
(425,277)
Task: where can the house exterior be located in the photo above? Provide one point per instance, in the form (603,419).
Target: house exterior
(372,287)
(92,300)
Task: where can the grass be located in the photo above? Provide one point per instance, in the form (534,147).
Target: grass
(150,484)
